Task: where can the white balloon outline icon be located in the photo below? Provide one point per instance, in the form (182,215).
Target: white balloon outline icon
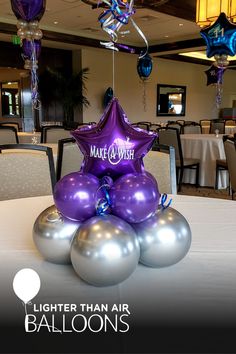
(26,284)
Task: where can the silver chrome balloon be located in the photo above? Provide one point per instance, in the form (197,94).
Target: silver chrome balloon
(105,250)
(53,234)
(164,239)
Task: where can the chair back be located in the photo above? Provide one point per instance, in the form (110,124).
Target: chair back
(8,135)
(174,125)
(217,126)
(230,122)
(161,164)
(180,121)
(11,124)
(69,157)
(230,153)
(193,128)
(142,125)
(205,124)
(171,137)
(26,170)
(154,126)
(51,134)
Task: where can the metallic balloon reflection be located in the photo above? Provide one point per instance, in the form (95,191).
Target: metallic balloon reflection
(53,234)
(164,239)
(105,250)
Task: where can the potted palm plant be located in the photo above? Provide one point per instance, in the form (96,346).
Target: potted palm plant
(56,87)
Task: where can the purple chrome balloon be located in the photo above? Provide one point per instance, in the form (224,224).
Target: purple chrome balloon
(76,195)
(29,46)
(134,197)
(113,147)
(28,10)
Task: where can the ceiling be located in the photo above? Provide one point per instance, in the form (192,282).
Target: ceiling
(172,21)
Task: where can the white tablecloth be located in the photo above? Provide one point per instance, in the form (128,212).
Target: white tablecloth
(198,291)
(207,148)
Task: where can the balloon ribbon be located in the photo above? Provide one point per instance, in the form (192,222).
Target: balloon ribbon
(103,204)
(163,200)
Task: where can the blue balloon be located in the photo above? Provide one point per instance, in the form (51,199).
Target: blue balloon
(107,97)
(144,66)
(220,37)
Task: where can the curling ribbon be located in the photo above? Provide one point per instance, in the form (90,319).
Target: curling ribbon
(103,204)
(34,76)
(114,18)
(163,200)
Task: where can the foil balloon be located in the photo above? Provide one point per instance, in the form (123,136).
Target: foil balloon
(220,38)
(53,234)
(164,239)
(113,147)
(76,195)
(105,250)
(107,97)
(28,10)
(214,75)
(144,66)
(134,197)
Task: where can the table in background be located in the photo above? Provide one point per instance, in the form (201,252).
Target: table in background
(200,290)
(208,148)
(27,137)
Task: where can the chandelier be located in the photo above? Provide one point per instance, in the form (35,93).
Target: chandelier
(207,11)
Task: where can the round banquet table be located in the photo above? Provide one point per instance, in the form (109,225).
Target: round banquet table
(28,137)
(207,148)
(188,307)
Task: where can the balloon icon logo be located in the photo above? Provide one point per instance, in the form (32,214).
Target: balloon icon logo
(26,284)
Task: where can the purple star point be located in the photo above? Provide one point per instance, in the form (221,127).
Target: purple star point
(113,147)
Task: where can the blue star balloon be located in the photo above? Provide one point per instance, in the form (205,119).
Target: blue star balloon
(214,75)
(220,37)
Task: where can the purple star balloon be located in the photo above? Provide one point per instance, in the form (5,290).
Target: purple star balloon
(113,147)
(214,75)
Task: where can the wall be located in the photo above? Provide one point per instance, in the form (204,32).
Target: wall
(200,103)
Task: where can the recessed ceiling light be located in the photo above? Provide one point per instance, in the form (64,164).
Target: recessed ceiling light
(55,22)
(166,36)
(181,24)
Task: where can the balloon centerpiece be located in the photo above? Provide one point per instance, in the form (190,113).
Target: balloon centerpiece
(29,13)
(220,41)
(104,213)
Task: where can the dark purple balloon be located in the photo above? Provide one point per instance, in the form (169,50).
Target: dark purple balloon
(134,197)
(28,46)
(76,195)
(28,10)
(113,147)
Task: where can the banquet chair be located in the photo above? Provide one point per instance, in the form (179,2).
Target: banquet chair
(205,124)
(230,153)
(53,133)
(69,157)
(11,124)
(171,137)
(230,122)
(8,135)
(192,128)
(26,170)
(180,121)
(141,125)
(160,162)
(220,125)
(174,125)
(154,126)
